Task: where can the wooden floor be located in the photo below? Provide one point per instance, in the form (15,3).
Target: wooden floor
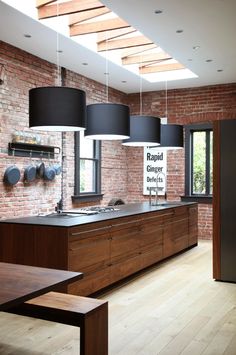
(174,308)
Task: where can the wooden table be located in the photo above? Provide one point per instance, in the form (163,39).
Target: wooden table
(20,283)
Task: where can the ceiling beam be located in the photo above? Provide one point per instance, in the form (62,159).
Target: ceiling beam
(66,8)
(87,15)
(123,43)
(143,58)
(40,3)
(160,68)
(97,26)
(137,50)
(114,34)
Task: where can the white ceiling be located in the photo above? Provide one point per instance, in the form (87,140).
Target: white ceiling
(209,24)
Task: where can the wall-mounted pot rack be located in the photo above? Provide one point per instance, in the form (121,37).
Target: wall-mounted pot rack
(32,150)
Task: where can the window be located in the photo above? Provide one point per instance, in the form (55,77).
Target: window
(87,168)
(198,162)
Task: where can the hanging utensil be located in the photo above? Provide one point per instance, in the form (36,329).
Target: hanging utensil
(12,173)
(30,171)
(49,172)
(40,168)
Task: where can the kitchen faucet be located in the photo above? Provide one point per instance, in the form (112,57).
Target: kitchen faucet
(157,188)
(59,207)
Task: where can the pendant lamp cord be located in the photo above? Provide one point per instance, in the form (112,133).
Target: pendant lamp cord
(106,72)
(166,101)
(141,90)
(57,50)
(61,73)
(63,142)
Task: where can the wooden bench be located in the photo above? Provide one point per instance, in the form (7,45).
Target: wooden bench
(90,314)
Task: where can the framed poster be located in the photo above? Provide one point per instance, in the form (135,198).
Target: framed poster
(154,171)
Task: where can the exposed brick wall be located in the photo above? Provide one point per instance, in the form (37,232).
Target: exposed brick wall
(122,167)
(114,166)
(184,106)
(24,71)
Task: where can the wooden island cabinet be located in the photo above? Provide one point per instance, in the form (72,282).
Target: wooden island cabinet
(106,249)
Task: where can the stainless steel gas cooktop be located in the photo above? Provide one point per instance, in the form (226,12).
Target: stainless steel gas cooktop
(96,209)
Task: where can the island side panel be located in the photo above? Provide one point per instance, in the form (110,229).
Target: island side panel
(34,245)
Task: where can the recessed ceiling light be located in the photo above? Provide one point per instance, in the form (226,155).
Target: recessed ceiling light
(196,47)
(219,70)
(59,51)
(84,63)
(26,35)
(179,31)
(157,12)
(209,60)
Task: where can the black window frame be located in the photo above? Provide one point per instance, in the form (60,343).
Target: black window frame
(87,196)
(189,195)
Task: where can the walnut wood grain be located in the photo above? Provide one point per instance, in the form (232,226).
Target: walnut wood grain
(20,283)
(105,251)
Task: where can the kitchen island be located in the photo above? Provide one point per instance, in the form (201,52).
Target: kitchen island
(106,247)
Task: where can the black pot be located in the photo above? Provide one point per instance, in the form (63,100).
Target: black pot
(40,170)
(30,173)
(12,175)
(57,169)
(49,173)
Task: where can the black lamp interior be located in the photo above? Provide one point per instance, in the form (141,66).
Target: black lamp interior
(171,136)
(144,131)
(107,121)
(57,108)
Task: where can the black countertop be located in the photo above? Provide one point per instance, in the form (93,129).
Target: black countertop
(72,221)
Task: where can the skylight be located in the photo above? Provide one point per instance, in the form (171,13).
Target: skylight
(104,33)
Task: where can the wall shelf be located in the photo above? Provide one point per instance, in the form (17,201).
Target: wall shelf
(32,150)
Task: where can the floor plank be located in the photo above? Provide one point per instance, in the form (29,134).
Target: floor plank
(170,309)
(174,308)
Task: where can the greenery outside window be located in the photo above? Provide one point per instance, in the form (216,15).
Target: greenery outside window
(87,168)
(198,163)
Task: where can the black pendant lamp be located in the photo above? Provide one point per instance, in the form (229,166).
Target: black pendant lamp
(171,136)
(57,108)
(107,121)
(144,131)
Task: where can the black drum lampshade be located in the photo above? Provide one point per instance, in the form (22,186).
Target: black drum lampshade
(107,121)
(144,131)
(57,108)
(171,136)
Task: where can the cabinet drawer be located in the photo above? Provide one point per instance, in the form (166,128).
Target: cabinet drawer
(125,223)
(151,233)
(124,242)
(90,230)
(125,268)
(193,235)
(89,254)
(91,283)
(151,256)
(180,211)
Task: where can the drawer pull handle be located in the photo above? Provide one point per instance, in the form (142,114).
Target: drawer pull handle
(91,230)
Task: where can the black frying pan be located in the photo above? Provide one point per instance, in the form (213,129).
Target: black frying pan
(30,173)
(40,170)
(49,173)
(57,169)
(12,175)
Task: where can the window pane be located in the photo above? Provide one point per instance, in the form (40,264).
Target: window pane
(86,146)
(199,162)
(87,176)
(211,163)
